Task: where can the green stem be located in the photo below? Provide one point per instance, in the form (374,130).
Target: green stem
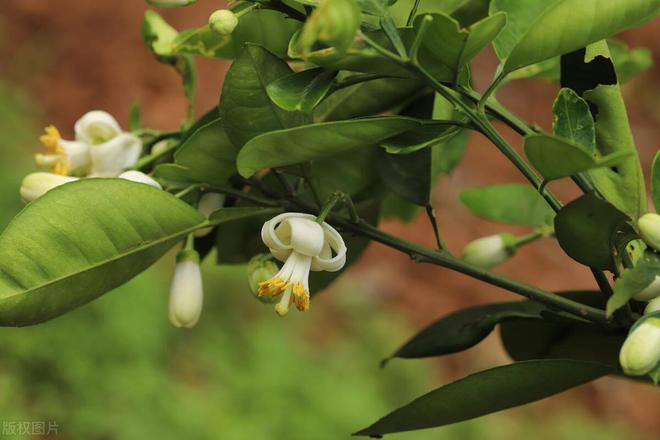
(413,13)
(181,194)
(357,79)
(381,50)
(327,208)
(419,38)
(430,213)
(481,105)
(390,30)
(150,159)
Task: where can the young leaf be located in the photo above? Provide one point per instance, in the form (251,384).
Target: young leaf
(509,203)
(301,90)
(655,181)
(408,176)
(487,392)
(208,154)
(158,35)
(420,138)
(589,230)
(316,141)
(634,280)
(537,29)
(555,158)
(82,240)
(572,120)
(245,108)
(464,329)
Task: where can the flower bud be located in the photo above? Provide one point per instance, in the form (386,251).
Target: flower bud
(261,268)
(170,3)
(223,21)
(333,23)
(652,306)
(640,352)
(140,177)
(208,204)
(490,251)
(37,184)
(649,229)
(186,292)
(649,292)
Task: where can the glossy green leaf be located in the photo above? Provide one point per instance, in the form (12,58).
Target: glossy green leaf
(265,27)
(349,172)
(634,280)
(555,158)
(208,154)
(245,108)
(301,90)
(454,46)
(509,203)
(420,138)
(655,181)
(82,240)
(408,175)
(589,230)
(463,329)
(539,29)
(590,72)
(448,155)
(174,176)
(572,120)
(224,215)
(316,141)
(487,392)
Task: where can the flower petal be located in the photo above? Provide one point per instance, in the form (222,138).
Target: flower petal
(111,158)
(336,244)
(96,127)
(270,236)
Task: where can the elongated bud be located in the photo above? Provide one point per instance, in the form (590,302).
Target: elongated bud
(186,293)
(640,352)
(170,3)
(649,229)
(489,251)
(140,177)
(208,204)
(37,184)
(652,306)
(261,268)
(223,21)
(651,291)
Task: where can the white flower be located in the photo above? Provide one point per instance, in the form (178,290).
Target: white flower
(223,21)
(208,204)
(96,127)
(37,184)
(63,157)
(303,245)
(140,177)
(112,157)
(170,3)
(186,292)
(649,229)
(489,251)
(640,352)
(650,291)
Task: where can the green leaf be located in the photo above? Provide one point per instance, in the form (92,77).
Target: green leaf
(82,240)
(572,120)
(174,176)
(378,8)
(349,172)
(449,154)
(395,207)
(590,229)
(245,108)
(224,215)
(487,392)
(655,181)
(265,27)
(301,90)
(158,34)
(555,158)
(208,155)
(408,176)
(134,116)
(590,73)
(634,280)
(366,99)
(465,328)
(316,141)
(538,29)
(510,204)
(451,44)
(420,138)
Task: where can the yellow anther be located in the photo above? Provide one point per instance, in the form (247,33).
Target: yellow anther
(272,287)
(51,140)
(301,297)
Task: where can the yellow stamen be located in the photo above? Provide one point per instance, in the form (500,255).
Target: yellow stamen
(301,297)
(51,141)
(272,287)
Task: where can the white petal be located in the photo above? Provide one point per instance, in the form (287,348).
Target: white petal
(111,158)
(186,294)
(270,237)
(649,292)
(335,242)
(96,127)
(281,254)
(78,155)
(307,236)
(37,184)
(140,177)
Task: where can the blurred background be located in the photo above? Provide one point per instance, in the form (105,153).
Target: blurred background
(116,369)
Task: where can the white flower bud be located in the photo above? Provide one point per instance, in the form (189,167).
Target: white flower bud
(140,177)
(650,291)
(640,352)
(223,21)
(186,292)
(652,306)
(37,184)
(208,204)
(170,3)
(649,229)
(261,268)
(487,252)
